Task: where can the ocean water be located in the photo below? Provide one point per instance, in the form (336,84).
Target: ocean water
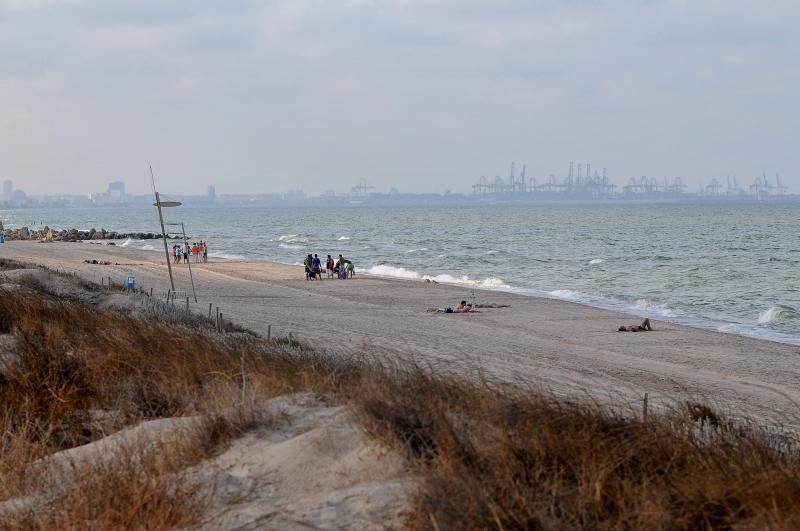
(733,268)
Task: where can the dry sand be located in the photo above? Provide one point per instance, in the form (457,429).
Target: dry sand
(566,347)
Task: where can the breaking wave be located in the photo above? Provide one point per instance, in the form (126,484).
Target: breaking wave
(596,261)
(228,256)
(383,270)
(391,271)
(779,312)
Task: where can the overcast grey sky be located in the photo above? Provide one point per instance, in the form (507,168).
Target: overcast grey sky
(419,94)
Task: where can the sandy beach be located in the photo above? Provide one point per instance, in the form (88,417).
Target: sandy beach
(565,347)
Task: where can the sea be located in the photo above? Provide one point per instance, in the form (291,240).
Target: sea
(734,268)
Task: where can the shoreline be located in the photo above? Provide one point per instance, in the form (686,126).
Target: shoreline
(752,331)
(567,347)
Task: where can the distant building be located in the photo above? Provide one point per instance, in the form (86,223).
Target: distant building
(211,192)
(116,191)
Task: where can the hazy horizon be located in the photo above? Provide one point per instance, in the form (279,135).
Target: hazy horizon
(421,95)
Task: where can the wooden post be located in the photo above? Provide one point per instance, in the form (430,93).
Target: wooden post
(269,332)
(290,339)
(151,293)
(102,282)
(168,291)
(217,320)
(243,379)
(187,304)
(644,409)
(221,323)
(209,310)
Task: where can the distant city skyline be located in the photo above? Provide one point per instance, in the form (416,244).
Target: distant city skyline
(419,95)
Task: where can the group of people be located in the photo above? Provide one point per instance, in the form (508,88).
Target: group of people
(197,252)
(341,268)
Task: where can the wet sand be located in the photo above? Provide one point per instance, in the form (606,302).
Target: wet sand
(565,347)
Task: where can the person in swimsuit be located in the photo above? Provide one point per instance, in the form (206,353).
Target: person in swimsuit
(463,307)
(644,327)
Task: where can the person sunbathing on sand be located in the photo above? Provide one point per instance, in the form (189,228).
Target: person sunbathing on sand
(490,305)
(463,307)
(644,327)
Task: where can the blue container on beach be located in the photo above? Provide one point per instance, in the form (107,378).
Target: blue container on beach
(130,282)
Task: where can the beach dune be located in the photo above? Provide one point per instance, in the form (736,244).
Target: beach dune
(565,347)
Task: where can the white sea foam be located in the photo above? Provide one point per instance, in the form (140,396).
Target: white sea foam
(148,247)
(596,261)
(287,237)
(486,283)
(228,256)
(289,246)
(127,243)
(655,308)
(401,272)
(419,250)
(491,252)
(343,238)
(391,271)
(779,312)
(566,294)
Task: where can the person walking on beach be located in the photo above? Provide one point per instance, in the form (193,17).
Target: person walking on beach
(205,252)
(178,254)
(186,253)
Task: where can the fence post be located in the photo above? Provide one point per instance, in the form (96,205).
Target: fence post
(187,304)
(221,323)
(269,332)
(151,293)
(644,409)
(209,310)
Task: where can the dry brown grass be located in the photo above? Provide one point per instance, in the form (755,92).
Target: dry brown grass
(493,457)
(487,456)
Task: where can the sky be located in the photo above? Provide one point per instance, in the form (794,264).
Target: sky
(420,95)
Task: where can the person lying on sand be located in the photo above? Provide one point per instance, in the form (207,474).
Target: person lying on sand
(644,327)
(489,305)
(461,308)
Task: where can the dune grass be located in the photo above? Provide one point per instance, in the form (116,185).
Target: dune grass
(485,455)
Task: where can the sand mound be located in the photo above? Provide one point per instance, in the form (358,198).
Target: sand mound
(312,468)
(316,471)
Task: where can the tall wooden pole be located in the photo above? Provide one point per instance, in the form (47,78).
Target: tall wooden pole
(163,232)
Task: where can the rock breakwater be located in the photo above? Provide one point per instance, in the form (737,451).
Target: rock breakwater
(73,235)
